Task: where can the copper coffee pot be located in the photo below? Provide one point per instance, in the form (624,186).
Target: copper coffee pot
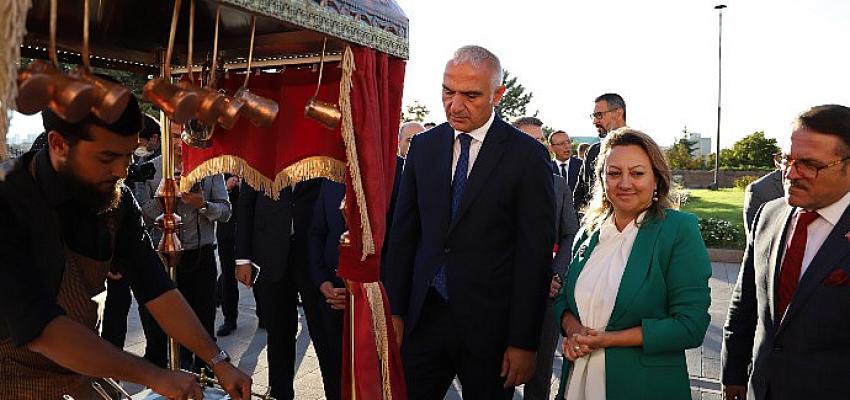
(33,91)
(325,113)
(110,98)
(69,98)
(259,110)
(178,104)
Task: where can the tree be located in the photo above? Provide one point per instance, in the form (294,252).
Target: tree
(753,151)
(515,100)
(681,155)
(415,113)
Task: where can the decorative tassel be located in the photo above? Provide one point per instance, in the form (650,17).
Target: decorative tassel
(382,341)
(348,68)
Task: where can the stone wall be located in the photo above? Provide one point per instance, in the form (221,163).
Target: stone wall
(694,179)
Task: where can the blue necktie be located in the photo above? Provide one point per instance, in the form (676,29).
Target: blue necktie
(458,183)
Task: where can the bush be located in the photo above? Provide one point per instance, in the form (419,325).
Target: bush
(742,182)
(721,233)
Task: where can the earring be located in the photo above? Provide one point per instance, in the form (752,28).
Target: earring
(655,195)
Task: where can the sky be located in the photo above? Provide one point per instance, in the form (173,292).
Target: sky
(779,58)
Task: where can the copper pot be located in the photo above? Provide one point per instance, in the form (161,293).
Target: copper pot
(209,105)
(178,104)
(33,91)
(229,111)
(325,113)
(110,98)
(259,110)
(69,98)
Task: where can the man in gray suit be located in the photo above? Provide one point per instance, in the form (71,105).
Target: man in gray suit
(758,192)
(787,335)
(566,228)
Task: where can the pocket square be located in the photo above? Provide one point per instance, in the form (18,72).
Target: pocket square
(838,277)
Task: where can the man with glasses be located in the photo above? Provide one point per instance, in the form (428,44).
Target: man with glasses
(565,164)
(609,113)
(786,336)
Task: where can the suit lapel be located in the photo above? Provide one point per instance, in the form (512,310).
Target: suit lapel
(580,259)
(486,162)
(777,252)
(443,176)
(637,267)
(835,248)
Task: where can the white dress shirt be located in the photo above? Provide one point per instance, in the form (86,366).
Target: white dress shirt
(474,147)
(565,164)
(595,292)
(818,230)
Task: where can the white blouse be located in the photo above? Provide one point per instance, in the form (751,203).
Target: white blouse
(595,293)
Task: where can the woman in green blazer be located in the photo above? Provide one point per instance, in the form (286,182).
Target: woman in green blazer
(636,293)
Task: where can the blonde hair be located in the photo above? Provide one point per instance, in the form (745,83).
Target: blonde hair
(600,208)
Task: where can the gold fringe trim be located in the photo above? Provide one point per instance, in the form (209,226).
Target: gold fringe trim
(308,168)
(382,342)
(13,17)
(348,68)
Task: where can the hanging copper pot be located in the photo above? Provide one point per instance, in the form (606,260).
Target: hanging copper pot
(33,91)
(325,113)
(209,104)
(70,99)
(229,111)
(110,98)
(259,110)
(177,103)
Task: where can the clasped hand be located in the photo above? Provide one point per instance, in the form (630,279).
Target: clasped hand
(580,344)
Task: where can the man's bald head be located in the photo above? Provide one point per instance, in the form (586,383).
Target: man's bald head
(405,135)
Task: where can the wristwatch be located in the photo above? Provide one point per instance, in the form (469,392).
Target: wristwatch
(203,209)
(221,356)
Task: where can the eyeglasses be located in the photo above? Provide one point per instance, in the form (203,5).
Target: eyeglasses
(807,169)
(564,143)
(599,114)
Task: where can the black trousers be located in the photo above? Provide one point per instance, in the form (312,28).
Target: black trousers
(196,276)
(437,350)
(227,280)
(118,301)
(279,302)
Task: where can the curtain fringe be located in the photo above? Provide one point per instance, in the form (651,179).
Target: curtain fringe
(382,342)
(308,168)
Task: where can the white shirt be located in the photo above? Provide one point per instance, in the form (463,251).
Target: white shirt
(565,164)
(474,147)
(818,230)
(595,293)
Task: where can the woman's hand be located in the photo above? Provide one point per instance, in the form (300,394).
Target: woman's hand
(594,340)
(574,350)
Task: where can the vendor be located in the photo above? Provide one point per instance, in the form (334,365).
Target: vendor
(67,220)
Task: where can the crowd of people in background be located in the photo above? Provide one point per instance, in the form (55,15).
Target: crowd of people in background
(502,241)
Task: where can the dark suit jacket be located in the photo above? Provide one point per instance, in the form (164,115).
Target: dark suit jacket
(566,227)
(497,251)
(264,226)
(761,191)
(584,187)
(805,355)
(399,167)
(325,230)
(572,172)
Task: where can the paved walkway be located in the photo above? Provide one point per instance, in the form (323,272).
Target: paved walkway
(247,346)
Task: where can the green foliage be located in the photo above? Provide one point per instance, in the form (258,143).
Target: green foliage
(415,113)
(680,156)
(515,100)
(753,151)
(719,205)
(742,182)
(721,233)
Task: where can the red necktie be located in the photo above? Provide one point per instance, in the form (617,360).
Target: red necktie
(789,275)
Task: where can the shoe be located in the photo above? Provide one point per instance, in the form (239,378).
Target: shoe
(225,329)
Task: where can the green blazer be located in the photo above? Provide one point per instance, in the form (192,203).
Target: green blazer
(665,291)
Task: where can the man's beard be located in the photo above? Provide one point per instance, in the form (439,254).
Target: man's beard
(89,195)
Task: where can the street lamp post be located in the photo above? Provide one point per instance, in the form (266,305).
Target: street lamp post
(719,8)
